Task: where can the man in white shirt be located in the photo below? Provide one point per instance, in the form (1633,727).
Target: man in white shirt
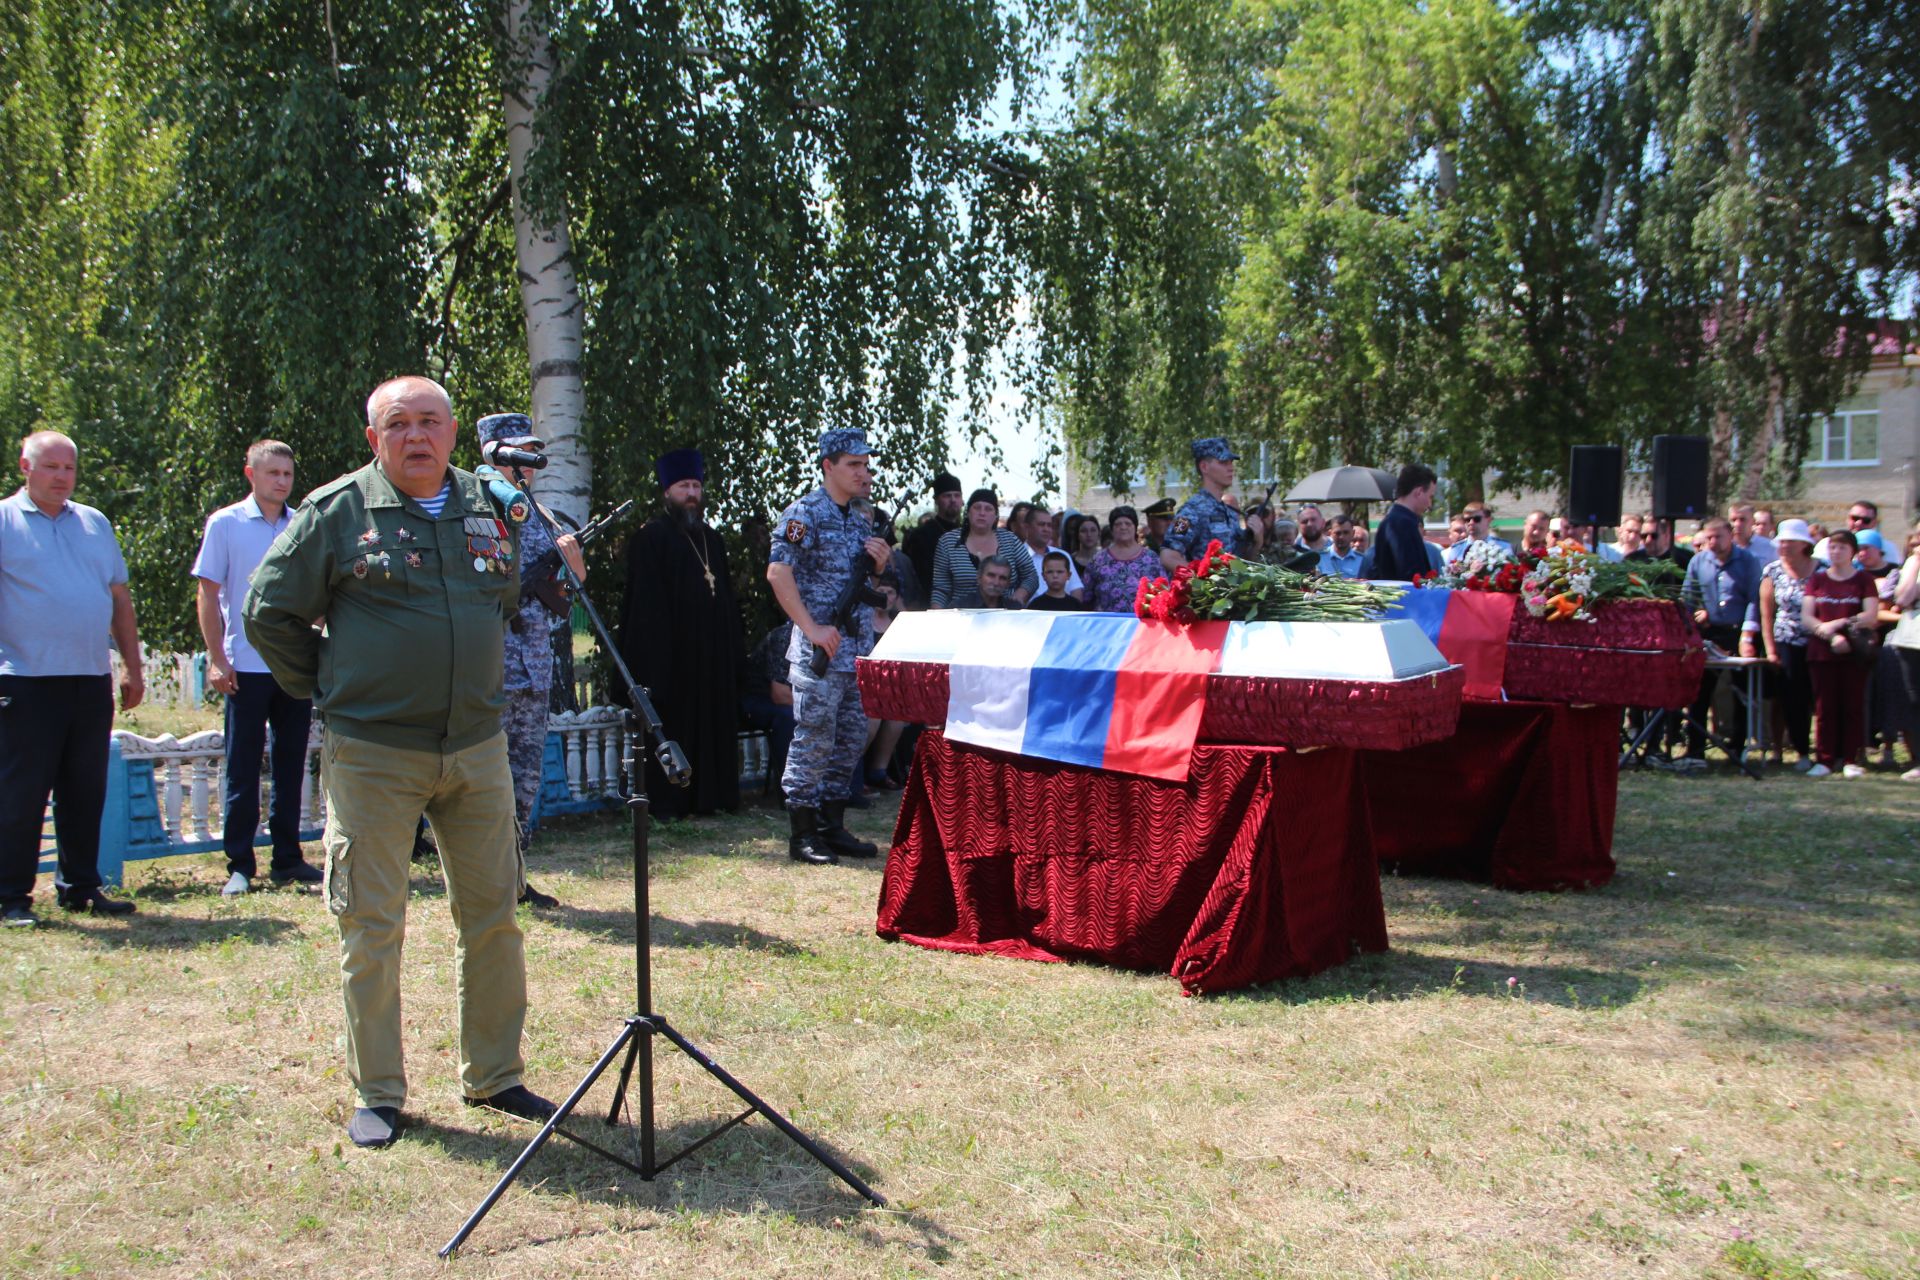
(1039,539)
(260,715)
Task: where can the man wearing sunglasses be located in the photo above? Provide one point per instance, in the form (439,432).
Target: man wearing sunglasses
(1479,522)
(1861,516)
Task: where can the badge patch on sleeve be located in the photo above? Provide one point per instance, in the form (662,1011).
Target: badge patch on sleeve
(796,532)
(1182,525)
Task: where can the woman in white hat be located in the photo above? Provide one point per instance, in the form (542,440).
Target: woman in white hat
(1784,632)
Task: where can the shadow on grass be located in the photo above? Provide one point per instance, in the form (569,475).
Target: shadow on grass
(617,926)
(155,932)
(1408,975)
(750,1169)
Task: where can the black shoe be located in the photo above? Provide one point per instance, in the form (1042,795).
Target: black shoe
(805,843)
(517,1100)
(95,901)
(298,873)
(374,1127)
(532,897)
(18,918)
(833,830)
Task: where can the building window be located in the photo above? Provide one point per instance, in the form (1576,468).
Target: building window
(1849,437)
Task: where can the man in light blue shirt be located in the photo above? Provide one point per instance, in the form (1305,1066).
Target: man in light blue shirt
(260,715)
(1479,529)
(1341,558)
(1747,535)
(63,595)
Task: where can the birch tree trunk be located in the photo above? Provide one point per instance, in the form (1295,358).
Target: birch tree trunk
(549,294)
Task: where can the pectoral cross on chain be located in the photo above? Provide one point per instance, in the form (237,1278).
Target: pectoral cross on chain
(709,573)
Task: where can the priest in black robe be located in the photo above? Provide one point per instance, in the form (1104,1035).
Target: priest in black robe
(680,634)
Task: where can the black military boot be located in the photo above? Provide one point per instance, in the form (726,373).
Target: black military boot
(805,844)
(833,830)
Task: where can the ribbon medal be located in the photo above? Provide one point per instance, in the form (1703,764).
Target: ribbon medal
(489,543)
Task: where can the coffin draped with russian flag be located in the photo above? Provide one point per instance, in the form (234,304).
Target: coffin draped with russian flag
(1635,653)
(1112,691)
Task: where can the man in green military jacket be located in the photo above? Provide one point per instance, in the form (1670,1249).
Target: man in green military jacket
(412,575)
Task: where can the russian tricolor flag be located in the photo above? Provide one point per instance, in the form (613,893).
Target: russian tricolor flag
(1104,690)
(1468,627)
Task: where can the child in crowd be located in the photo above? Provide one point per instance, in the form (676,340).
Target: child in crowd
(1054,568)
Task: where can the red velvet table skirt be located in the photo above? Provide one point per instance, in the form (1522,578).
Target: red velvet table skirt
(1257,867)
(1522,796)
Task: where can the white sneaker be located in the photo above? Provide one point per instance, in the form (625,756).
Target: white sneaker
(1911,775)
(1852,771)
(237,884)
(1819,771)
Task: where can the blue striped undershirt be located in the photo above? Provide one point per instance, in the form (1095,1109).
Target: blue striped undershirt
(438,503)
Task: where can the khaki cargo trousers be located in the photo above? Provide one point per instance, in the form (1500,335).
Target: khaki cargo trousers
(375,796)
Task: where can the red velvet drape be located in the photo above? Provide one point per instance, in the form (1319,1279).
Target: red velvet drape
(1522,796)
(1257,867)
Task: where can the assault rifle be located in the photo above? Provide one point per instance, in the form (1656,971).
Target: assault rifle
(541,580)
(856,592)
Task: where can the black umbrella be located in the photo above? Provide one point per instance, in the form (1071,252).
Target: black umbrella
(1344,484)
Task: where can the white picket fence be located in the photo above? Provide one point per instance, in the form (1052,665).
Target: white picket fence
(166,795)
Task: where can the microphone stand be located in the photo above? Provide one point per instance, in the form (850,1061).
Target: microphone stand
(635,1040)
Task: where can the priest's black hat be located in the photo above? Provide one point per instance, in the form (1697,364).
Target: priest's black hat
(681,464)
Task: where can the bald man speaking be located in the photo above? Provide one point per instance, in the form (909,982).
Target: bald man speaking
(416,575)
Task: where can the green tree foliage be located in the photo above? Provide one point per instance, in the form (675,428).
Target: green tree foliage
(236,219)
(1474,234)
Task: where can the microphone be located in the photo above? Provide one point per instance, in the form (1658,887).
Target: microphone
(501,454)
(510,499)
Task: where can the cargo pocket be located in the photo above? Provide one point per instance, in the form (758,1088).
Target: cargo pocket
(339,883)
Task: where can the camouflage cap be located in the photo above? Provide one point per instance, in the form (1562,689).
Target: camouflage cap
(504,426)
(843,440)
(1213,447)
(1164,507)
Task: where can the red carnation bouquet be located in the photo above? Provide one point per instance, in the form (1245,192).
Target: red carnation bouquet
(1219,586)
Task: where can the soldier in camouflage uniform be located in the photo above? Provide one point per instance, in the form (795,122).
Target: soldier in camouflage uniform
(814,542)
(529,658)
(1204,516)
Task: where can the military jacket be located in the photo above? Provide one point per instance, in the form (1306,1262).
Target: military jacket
(415,611)
(1200,520)
(818,538)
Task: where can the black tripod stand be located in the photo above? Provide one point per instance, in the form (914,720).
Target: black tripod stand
(635,1040)
(1639,750)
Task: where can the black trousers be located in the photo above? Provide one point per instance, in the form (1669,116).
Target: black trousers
(260,715)
(53,743)
(1795,691)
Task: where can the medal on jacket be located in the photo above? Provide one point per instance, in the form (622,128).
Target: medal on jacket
(413,559)
(403,534)
(360,568)
(371,538)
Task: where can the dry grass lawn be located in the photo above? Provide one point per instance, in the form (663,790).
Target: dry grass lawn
(1708,1069)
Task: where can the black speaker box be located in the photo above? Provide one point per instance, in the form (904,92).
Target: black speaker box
(1593,484)
(1680,477)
